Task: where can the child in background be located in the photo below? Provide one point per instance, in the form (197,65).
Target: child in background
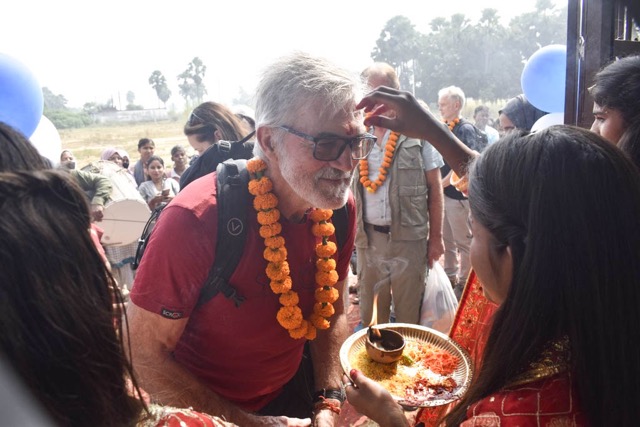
(146,147)
(180,163)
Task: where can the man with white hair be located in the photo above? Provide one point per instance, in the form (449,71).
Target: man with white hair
(247,363)
(455,230)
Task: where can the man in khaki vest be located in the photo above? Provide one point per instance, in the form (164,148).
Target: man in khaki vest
(399,206)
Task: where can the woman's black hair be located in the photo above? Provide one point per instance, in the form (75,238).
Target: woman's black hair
(617,86)
(152,158)
(61,327)
(566,203)
(629,142)
(17,152)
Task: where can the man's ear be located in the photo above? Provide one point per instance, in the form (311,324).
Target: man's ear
(264,137)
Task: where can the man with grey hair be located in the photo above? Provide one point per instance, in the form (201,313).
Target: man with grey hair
(248,363)
(400,209)
(455,230)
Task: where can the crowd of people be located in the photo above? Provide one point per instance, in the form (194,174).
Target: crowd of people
(536,231)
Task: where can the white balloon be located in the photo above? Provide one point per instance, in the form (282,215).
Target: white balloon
(47,140)
(548,120)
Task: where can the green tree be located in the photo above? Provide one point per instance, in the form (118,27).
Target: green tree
(398,45)
(191,81)
(484,58)
(544,26)
(53,101)
(159,83)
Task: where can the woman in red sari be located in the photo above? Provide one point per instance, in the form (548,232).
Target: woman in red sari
(555,246)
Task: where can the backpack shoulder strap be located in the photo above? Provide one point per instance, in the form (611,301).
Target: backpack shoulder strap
(143,240)
(232,200)
(340,221)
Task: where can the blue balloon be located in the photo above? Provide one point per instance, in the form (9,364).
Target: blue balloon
(544,78)
(21,99)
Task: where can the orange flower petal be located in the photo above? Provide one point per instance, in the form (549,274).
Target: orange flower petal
(300,331)
(325,264)
(317,215)
(289,299)
(256,165)
(325,251)
(270,230)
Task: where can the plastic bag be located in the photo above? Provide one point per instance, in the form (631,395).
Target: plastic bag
(439,303)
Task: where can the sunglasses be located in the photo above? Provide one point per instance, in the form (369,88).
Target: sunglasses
(330,148)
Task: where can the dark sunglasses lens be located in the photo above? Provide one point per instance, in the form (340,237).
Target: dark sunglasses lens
(329,149)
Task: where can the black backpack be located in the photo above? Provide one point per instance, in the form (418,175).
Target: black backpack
(481,138)
(234,201)
(203,165)
(214,155)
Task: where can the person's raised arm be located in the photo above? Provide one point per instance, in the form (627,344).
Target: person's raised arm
(153,339)
(411,119)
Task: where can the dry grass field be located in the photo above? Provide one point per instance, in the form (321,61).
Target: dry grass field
(87,143)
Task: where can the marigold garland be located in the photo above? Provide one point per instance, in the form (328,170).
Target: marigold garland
(389,149)
(290,316)
(452,124)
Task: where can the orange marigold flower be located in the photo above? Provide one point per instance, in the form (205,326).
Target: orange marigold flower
(319,321)
(265,202)
(324,309)
(256,165)
(260,186)
(277,271)
(274,242)
(318,215)
(326,264)
(268,217)
(382,178)
(289,317)
(276,255)
(325,251)
(327,294)
(289,299)
(326,278)
(374,187)
(270,230)
(311,332)
(386,164)
(365,181)
(281,286)
(323,229)
(299,331)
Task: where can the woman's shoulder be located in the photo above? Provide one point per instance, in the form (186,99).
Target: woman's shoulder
(170,416)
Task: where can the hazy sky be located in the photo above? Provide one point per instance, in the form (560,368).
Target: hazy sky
(89,51)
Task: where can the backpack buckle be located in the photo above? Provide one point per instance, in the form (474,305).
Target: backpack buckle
(224,146)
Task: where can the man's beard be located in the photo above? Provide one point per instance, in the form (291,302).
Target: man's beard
(315,189)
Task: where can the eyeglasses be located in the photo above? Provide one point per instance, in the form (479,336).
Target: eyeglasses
(329,148)
(193,116)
